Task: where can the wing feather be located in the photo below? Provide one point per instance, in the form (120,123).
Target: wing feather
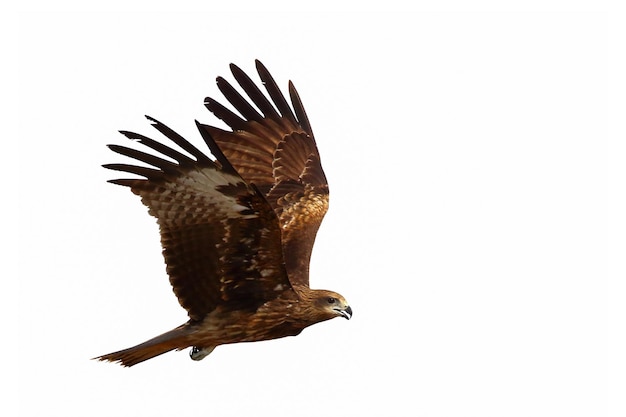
(201,157)
(166,166)
(221,239)
(238,229)
(221,112)
(298,107)
(241,104)
(254,93)
(275,93)
(276,151)
(182,159)
(149,173)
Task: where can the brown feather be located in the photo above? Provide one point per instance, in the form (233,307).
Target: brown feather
(174,339)
(237,233)
(281,150)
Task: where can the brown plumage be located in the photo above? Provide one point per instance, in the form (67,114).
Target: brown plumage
(237,232)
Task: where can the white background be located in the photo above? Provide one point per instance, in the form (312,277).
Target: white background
(467,160)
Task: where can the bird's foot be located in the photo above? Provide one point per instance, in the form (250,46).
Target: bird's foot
(197,354)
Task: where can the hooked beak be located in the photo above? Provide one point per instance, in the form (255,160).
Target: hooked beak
(345,313)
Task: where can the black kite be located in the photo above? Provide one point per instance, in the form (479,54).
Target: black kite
(237,232)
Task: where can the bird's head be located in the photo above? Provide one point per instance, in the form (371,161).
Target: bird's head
(330,304)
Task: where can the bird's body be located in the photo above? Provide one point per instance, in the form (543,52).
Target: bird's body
(237,232)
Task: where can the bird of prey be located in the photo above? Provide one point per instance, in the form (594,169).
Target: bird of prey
(237,231)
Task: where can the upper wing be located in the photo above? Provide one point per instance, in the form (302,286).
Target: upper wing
(275,150)
(221,239)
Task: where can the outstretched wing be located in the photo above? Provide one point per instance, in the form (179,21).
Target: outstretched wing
(221,239)
(272,146)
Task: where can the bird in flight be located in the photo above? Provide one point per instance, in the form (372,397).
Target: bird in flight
(237,231)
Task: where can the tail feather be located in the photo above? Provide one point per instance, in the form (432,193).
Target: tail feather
(174,339)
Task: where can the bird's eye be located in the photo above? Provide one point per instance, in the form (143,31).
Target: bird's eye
(331,300)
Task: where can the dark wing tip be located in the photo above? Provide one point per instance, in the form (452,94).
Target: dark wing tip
(129,134)
(274,91)
(151,119)
(214,148)
(259,66)
(127,182)
(298,107)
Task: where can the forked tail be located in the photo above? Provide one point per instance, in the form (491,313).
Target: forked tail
(174,339)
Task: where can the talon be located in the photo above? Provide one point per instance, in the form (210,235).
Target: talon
(197,354)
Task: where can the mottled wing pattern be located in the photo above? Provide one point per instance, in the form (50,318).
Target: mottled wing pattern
(220,237)
(272,146)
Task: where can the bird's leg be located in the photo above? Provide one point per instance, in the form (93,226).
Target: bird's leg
(197,354)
